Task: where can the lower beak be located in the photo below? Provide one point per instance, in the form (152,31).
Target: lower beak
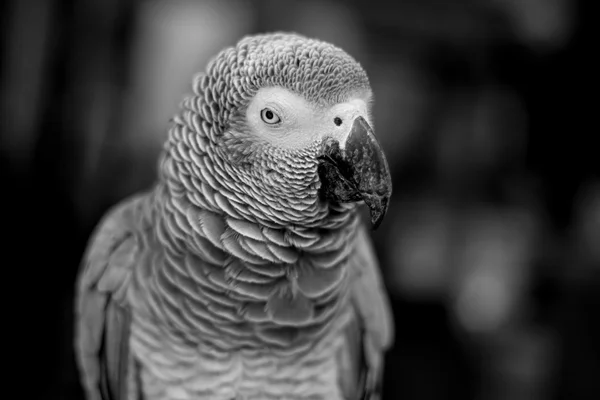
(358,172)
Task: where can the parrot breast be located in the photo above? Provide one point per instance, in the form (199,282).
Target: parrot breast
(240,284)
(228,301)
(174,370)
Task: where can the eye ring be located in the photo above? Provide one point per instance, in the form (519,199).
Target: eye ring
(269,117)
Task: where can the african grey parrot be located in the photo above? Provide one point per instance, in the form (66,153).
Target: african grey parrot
(245,271)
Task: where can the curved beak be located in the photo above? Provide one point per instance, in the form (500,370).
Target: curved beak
(357,172)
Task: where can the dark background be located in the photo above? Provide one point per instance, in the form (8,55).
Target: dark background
(491,249)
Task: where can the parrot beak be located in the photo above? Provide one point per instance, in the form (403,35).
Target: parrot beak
(357,172)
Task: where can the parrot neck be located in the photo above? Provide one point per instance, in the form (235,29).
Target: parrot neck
(281,244)
(287,286)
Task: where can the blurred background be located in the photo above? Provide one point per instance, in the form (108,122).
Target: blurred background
(490,251)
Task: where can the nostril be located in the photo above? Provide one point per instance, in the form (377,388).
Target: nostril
(337,121)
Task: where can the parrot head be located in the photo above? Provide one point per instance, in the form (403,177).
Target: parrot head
(285,122)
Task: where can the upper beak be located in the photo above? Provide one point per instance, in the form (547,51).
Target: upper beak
(358,172)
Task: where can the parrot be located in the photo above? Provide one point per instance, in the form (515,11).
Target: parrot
(246,270)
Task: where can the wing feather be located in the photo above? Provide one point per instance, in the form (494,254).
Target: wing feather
(103,319)
(371,332)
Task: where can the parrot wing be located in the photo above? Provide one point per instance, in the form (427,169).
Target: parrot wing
(102,316)
(371,331)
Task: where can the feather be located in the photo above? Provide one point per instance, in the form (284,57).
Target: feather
(370,333)
(103,319)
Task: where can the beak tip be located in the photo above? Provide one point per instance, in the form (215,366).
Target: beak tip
(376,222)
(378,209)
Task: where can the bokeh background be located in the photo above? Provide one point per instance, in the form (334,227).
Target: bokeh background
(490,251)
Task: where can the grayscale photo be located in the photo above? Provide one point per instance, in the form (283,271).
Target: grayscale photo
(300,200)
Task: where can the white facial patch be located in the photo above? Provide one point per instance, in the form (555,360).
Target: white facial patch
(286,119)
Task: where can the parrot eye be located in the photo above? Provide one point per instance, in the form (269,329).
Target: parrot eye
(269,117)
(337,121)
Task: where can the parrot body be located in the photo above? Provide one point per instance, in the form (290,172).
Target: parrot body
(245,272)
